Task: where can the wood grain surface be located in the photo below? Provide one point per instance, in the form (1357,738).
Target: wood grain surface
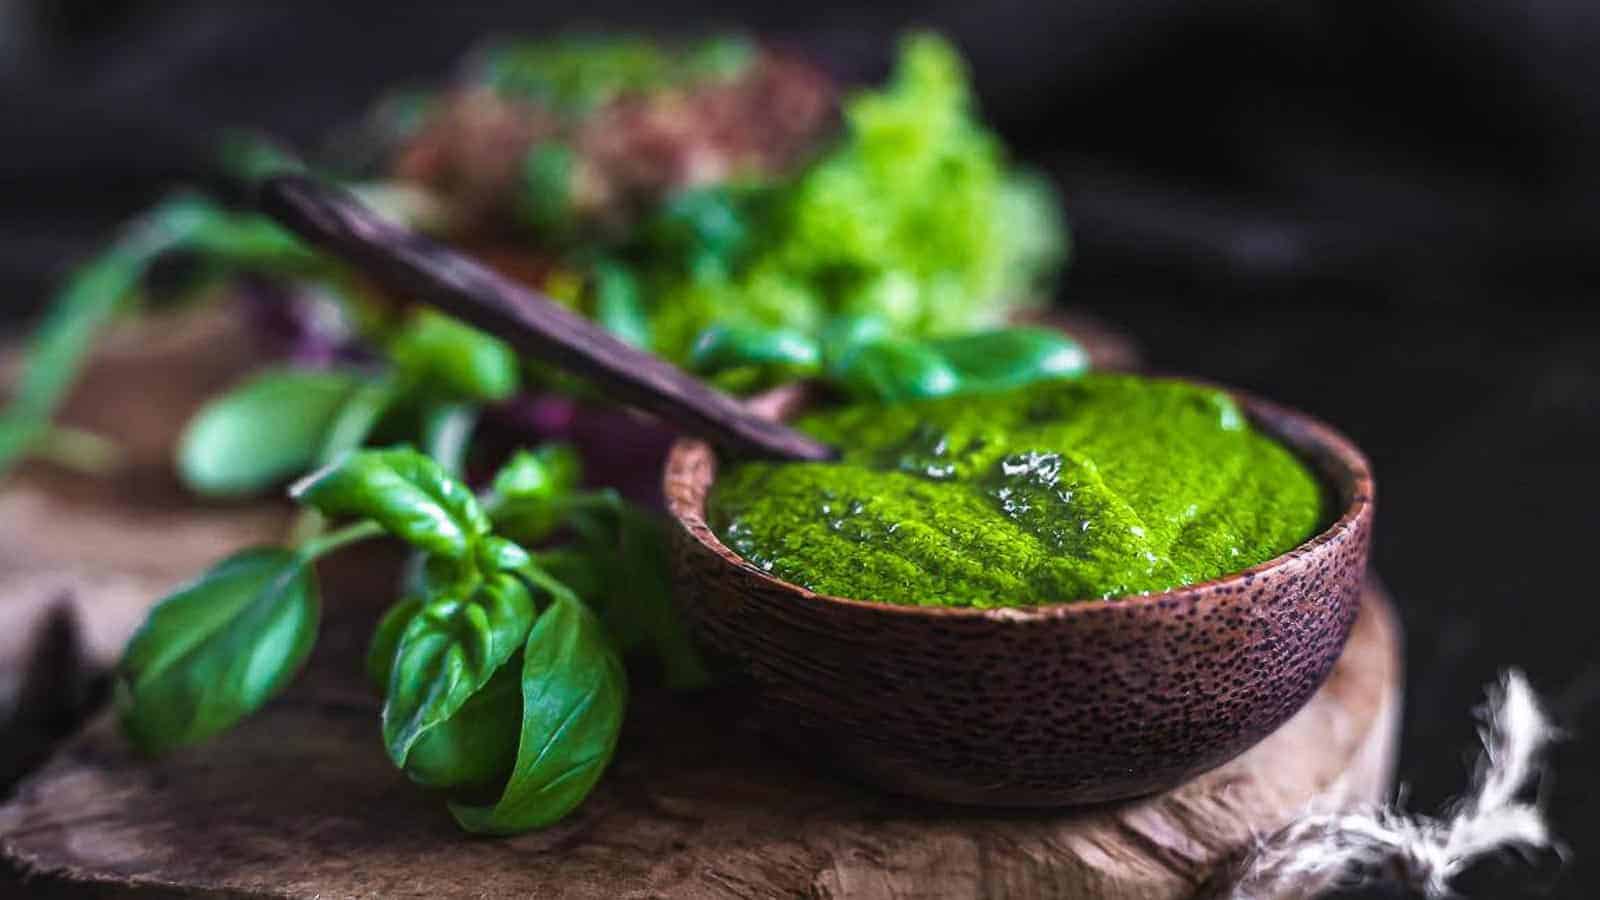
(300,802)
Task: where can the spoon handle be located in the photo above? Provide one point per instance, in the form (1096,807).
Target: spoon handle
(412,265)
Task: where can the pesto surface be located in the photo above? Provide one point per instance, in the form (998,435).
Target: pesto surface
(1066,490)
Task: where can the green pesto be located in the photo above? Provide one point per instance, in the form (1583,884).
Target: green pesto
(1096,487)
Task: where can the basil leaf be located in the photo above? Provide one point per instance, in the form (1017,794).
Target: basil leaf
(262,431)
(404,491)
(574,695)
(622,570)
(496,554)
(252,156)
(723,347)
(56,353)
(707,227)
(891,371)
(217,649)
(441,354)
(538,475)
(618,306)
(386,639)
(447,652)
(476,747)
(644,594)
(234,241)
(544,200)
(1011,357)
(526,498)
(97,291)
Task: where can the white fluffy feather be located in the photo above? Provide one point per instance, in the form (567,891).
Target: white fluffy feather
(1422,852)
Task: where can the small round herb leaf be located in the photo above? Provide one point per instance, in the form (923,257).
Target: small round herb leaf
(407,493)
(618,305)
(574,695)
(891,371)
(217,649)
(1011,357)
(441,354)
(262,432)
(527,498)
(448,652)
(723,347)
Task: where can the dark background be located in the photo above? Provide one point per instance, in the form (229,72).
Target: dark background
(1387,214)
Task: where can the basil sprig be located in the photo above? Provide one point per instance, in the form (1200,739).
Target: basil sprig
(91,298)
(500,668)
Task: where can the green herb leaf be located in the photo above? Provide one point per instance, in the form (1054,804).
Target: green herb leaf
(386,639)
(261,432)
(97,291)
(527,498)
(892,371)
(91,298)
(229,240)
(574,695)
(496,554)
(545,199)
(723,347)
(1011,357)
(639,592)
(217,649)
(404,491)
(619,567)
(705,227)
(440,354)
(252,156)
(448,652)
(447,434)
(475,749)
(618,306)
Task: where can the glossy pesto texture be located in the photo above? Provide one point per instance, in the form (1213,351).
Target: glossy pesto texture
(1066,490)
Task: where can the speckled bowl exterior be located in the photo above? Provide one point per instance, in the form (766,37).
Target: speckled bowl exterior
(1039,706)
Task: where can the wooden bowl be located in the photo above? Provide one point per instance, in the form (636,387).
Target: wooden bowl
(1051,705)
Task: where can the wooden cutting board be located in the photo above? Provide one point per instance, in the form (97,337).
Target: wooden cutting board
(300,801)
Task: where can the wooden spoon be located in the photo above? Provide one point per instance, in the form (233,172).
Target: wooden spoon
(415,266)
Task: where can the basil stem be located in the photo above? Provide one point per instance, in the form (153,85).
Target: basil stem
(323,544)
(92,297)
(357,419)
(77,449)
(351,427)
(447,434)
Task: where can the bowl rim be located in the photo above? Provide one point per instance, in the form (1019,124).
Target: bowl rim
(1336,460)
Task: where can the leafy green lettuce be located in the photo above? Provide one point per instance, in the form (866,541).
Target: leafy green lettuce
(913,217)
